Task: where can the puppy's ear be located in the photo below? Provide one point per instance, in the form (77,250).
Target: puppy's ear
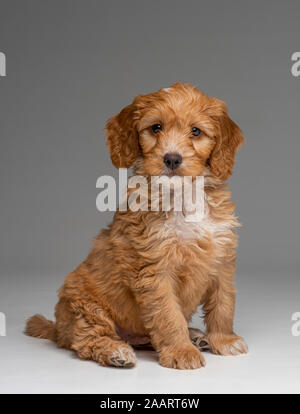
(122,137)
(229,139)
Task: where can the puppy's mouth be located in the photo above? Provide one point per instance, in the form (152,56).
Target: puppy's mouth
(172,173)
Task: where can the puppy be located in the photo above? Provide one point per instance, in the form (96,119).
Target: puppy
(149,271)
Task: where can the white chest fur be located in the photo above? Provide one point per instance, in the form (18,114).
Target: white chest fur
(176,224)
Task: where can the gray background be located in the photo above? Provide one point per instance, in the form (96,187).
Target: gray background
(73,64)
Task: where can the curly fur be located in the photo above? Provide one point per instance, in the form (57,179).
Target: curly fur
(149,271)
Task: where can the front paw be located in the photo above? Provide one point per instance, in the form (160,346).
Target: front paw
(187,357)
(227,344)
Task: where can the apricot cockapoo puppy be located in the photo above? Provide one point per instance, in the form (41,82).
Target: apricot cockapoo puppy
(149,270)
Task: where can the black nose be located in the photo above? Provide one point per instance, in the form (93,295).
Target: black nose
(172,161)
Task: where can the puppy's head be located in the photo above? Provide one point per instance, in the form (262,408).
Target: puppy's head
(175,131)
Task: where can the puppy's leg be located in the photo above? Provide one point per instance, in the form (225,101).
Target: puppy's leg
(199,339)
(219,311)
(94,337)
(165,322)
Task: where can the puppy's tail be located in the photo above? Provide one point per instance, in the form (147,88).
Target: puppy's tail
(40,327)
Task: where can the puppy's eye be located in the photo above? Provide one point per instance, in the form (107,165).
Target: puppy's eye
(156,128)
(196,132)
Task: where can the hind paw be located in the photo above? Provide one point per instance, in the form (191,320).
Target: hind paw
(199,339)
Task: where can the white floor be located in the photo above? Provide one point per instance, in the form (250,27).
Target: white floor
(263,317)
